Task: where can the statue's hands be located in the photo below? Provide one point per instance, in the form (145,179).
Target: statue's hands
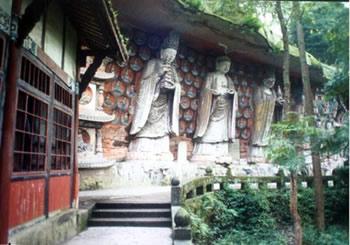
(166,68)
(167,85)
(167,80)
(280,100)
(223,91)
(231,91)
(215,92)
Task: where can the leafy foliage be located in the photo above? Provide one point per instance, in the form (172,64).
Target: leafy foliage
(229,215)
(334,235)
(326,29)
(258,217)
(331,142)
(287,140)
(239,12)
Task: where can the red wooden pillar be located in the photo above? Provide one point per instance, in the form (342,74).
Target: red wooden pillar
(75,191)
(8,139)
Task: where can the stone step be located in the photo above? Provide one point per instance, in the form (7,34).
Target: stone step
(140,222)
(120,213)
(114,205)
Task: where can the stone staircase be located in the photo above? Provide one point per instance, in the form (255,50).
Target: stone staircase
(131,214)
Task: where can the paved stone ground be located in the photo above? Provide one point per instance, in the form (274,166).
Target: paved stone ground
(125,235)
(122,236)
(129,194)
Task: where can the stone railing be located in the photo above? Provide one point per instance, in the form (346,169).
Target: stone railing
(181,221)
(200,186)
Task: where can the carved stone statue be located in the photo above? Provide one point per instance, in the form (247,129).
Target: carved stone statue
(157,107)
(264,100)
(216,121)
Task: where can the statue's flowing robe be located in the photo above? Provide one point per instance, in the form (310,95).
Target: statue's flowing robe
(216,121)
(264,106)
(157,112)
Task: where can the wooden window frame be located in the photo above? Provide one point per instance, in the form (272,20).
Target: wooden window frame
(24,132)
(52,103)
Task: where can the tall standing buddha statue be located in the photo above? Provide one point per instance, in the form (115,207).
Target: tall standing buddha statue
(264,100)
(216,121)
(157,107)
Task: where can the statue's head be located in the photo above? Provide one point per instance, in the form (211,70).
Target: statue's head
(270,79)
(223,64)
(169,47)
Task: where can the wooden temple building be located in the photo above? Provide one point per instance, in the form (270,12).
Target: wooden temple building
(43,44)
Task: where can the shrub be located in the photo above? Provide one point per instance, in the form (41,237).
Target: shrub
(230,215)
(279,206)
(337,206)
(257,217)
(335,235)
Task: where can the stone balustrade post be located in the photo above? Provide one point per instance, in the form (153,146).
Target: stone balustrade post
(244,185)
(175,192)
(262,185)
(181,219)
(280,182)
(208,171)
(182,230)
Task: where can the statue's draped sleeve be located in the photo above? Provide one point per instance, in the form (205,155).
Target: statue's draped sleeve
(263,107)
(175,102)
(232,116)
(204,107)
(150,77)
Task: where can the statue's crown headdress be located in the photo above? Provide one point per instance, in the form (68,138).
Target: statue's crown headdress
(222,59)
(171,41)
(270,72)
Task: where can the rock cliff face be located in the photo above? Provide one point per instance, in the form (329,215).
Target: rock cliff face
(192,67)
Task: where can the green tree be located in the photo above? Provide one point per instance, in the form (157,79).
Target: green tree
(326,29)
(326,33)
(286,68)
(286,150)
(308,106)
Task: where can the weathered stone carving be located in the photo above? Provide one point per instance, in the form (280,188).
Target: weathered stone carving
(91,119)
(216,121)
(264,100)
(157,107)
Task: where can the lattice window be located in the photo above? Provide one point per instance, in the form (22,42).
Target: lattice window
(63,96)
(34,76)
(61,145)
(31,134)
(42,127)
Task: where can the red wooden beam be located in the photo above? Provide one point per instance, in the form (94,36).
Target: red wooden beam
(75,178)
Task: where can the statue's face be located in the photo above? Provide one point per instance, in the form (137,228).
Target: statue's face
(269,82)
(223,66)
(168,55)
